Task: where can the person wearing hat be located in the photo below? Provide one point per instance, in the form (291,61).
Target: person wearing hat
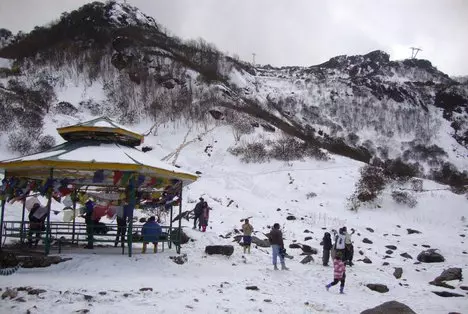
(197,212)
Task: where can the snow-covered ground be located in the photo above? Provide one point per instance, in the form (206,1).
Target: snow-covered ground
(268,193)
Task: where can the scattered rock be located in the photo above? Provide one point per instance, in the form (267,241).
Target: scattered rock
(441,284)
(146,289)
(406,255)
(430,256)
(180,259)
(20,299)
(464,287)
(294,246)
(307,231)
(391,247)
(226,250)
(398,272)
(290,217)
(82,311)
(425,245)
(389,252)
(308,249)
(88,297)
(9,293)
(252,288)
(36,291)
(366,260)
(391,307)
(307,238)
(377,287)
(447,294)
(260,242)
(307,259)
(453,273)
(370,229)
(267,300)
(366,240)
(412,231)
(102,292)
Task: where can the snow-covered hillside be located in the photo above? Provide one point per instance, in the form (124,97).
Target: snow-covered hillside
(268,193)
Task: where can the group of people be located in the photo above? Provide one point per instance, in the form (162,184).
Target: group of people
(201,213)
(342,252)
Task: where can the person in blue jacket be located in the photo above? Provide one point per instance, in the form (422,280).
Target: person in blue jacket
(151,232)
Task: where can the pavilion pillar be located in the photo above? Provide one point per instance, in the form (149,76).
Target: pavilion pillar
(74,197)
(2,215)
(179,230)
(131,208)
(22,232)
(170,226)
(49,202)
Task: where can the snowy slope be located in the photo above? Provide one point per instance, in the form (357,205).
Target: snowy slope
(214,284)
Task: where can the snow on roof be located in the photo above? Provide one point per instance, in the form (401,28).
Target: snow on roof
(103,122)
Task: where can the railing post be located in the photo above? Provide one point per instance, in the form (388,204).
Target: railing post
(74,196)
(131,208)
(22,221)
(49,201)
(179,230)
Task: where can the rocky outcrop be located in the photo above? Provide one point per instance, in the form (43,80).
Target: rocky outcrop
(391,307)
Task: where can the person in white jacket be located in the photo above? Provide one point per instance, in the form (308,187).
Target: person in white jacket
(349,248)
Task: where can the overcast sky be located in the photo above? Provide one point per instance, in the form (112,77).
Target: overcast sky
(294,32)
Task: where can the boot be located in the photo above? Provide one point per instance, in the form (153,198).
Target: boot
(341,290)
(283,267)
(143,251)
(155,250)
(327,287)
(275,267)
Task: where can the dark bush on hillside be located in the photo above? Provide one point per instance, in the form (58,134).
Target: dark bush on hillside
(417,185)
(66,108)
(353,138)
(45,143)
(287,149)
(145,149)
(448,174)
(251,152)
(398,170)
(93,107)
(20,143)
(424,153)
(338,146)
(371,183)
(405,198)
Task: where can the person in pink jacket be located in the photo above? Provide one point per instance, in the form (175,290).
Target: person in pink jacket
(339,272)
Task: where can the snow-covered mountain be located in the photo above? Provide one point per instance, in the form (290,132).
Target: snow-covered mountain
(111,59)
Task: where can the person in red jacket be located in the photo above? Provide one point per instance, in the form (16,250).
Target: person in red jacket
(339,272)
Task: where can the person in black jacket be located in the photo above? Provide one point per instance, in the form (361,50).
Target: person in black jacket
(197,213)
(37,216)
(327,246)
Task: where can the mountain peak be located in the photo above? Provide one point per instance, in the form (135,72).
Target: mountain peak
(123,14)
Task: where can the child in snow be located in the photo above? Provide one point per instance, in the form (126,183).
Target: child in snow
(247,230)
(204,216)
(327,246)
(339,272)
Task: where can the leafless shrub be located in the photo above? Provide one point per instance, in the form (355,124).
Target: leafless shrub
(405,198)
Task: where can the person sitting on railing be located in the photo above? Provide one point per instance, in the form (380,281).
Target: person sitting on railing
(37,217)
(151,231)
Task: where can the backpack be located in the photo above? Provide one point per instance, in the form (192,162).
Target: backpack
(340,242)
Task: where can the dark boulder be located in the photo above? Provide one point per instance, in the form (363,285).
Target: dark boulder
(308,249)
(366,240)
(406,255)
(391,307)
(307,259)
(370,229)
(447,294)
(261,242)
(412,231)
(294,246)
(453,273)
(378,287)
(391,247)
(398,272)
(367,261)
(430,256)
(226,250)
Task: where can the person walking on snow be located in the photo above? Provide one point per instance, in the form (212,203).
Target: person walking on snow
(277,246)
(247,230)
(197,213)
(327,246)
(349,248)
(339,272)
(205,215)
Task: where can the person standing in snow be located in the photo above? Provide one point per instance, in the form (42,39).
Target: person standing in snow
(247,230)
(89,208)
(340,240)
(151,231)
(339,272)
(37,217)
(349,248)
(205,215)
(327,246)
(121,226)
(197,213)
(277,246)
